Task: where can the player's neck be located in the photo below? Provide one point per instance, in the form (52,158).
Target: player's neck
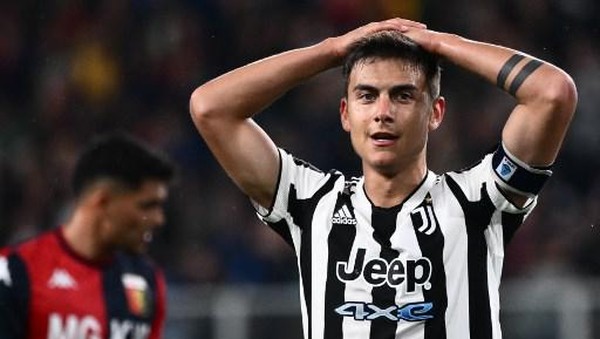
(385,190)
(81,234)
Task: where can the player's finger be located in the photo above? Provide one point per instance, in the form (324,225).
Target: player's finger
(407,23)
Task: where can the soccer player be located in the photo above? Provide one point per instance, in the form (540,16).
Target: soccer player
(90,277)
(400,252)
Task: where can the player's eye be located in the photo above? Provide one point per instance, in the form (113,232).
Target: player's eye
(404,96)
(366,96)
(150,204)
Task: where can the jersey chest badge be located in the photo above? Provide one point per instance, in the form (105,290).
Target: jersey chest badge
(137,292)
(423,217)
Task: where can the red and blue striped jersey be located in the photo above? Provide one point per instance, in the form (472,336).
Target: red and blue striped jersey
(48,291)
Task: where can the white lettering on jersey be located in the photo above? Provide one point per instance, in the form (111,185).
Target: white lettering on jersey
(87,327)
(123,329)
(4,272)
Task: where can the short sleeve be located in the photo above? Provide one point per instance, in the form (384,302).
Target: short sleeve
(295,175)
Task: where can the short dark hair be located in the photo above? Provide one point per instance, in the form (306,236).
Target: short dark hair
(120,157)
(394,45)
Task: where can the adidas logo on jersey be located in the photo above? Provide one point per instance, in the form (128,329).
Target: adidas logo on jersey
(61,279)
(343,216)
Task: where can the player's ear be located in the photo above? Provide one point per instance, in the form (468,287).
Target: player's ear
(99,195)
(344,114)
(438,110)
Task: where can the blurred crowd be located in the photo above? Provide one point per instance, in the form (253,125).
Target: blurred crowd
(71,69)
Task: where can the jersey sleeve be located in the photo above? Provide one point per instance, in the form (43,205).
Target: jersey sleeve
(298,183)
(487,211)
(13,297)
(297,177)
(472,179)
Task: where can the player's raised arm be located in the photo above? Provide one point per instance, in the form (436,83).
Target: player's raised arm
(546,96)
(223,107)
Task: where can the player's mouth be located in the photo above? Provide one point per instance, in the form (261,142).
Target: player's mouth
(147,237)
(383,139)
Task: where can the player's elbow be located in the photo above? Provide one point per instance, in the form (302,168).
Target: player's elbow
(561,93)
(201,109)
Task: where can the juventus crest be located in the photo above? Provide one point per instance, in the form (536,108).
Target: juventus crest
(423,217)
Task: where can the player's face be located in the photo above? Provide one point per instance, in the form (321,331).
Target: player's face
(132,216)
(389,113)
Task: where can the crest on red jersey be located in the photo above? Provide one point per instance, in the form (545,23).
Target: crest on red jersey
(137,292)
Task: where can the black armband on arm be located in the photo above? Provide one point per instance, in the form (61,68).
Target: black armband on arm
(521,76)
(516,176)
(507,68)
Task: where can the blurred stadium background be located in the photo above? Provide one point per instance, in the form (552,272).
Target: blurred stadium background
(70,69)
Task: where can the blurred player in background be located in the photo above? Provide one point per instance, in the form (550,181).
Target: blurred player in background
(90,277)
(399,252)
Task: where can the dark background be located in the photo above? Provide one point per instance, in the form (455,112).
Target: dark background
(71,69)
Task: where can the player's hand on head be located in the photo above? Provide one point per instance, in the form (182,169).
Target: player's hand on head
(404,24)
(342,43)
(426,38)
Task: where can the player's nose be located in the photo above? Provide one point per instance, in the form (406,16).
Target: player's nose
(156,218)
(383,113)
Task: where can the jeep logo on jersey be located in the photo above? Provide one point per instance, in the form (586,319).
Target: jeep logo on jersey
(88,327)
(412,272)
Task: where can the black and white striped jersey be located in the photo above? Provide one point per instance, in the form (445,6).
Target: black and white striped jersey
(428,268)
